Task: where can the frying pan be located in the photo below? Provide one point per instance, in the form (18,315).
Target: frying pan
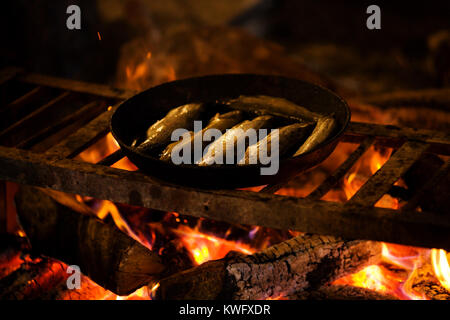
(132,118)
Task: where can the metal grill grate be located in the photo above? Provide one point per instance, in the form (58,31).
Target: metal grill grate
(46,121)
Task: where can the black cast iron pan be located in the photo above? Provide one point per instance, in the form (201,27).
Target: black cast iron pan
(132,118)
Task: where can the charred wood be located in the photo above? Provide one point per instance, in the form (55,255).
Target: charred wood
(304,263)
(425,284)
(88,291)
(342,292)
(11,253)
(32,280)
(104,253)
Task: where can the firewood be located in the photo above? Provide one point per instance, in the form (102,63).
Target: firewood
(303,263)
(32,280)
(424,283)
(103,253)
(342,292)
(88,291)
(11,251)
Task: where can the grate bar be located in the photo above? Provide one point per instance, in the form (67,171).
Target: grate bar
(84,137)
(393,136)
(232,206)
(23,100)
(77,86)
(380,183)
(75,119)
(435,179)
(112,158)
(17,132)
(340,172)
(8,74)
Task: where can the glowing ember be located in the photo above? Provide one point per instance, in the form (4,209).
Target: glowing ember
(370,277)
(205,247)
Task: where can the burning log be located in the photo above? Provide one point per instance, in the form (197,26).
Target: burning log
(342,292)
(11,253)
(424,283)
(32,280)
(104,253)
(88,291)
(304,263)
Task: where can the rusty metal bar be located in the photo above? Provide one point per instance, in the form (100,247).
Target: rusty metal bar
(16,133)
(77,86)
(389,173)
(112,158)
(19,102)
(434,180)
(394,137)
(77,118)
(8,74)
(340,172)
(322,217)
(19,108)
(84,137)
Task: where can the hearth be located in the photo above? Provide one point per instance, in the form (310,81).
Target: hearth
(55,143)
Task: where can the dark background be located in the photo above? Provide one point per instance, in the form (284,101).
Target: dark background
(34,33)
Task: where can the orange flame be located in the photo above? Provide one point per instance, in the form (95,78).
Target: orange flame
(143,70)
(439,259)
(204,247)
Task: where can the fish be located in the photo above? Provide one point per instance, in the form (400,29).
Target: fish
(159,134)
(324,127)
(167,152)
(219,121)
(288,138)
(273,105)
(227,142)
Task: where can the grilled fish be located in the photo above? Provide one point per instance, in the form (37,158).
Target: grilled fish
(159,134)
(288,138)
(273,105)
(233,137)
(219,121)
(321,132)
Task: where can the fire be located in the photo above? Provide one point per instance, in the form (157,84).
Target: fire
(369,164)
(441,267)
(385,277)
(143,69)
(202,247)
(104,148)
(408,259)
(370,277)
